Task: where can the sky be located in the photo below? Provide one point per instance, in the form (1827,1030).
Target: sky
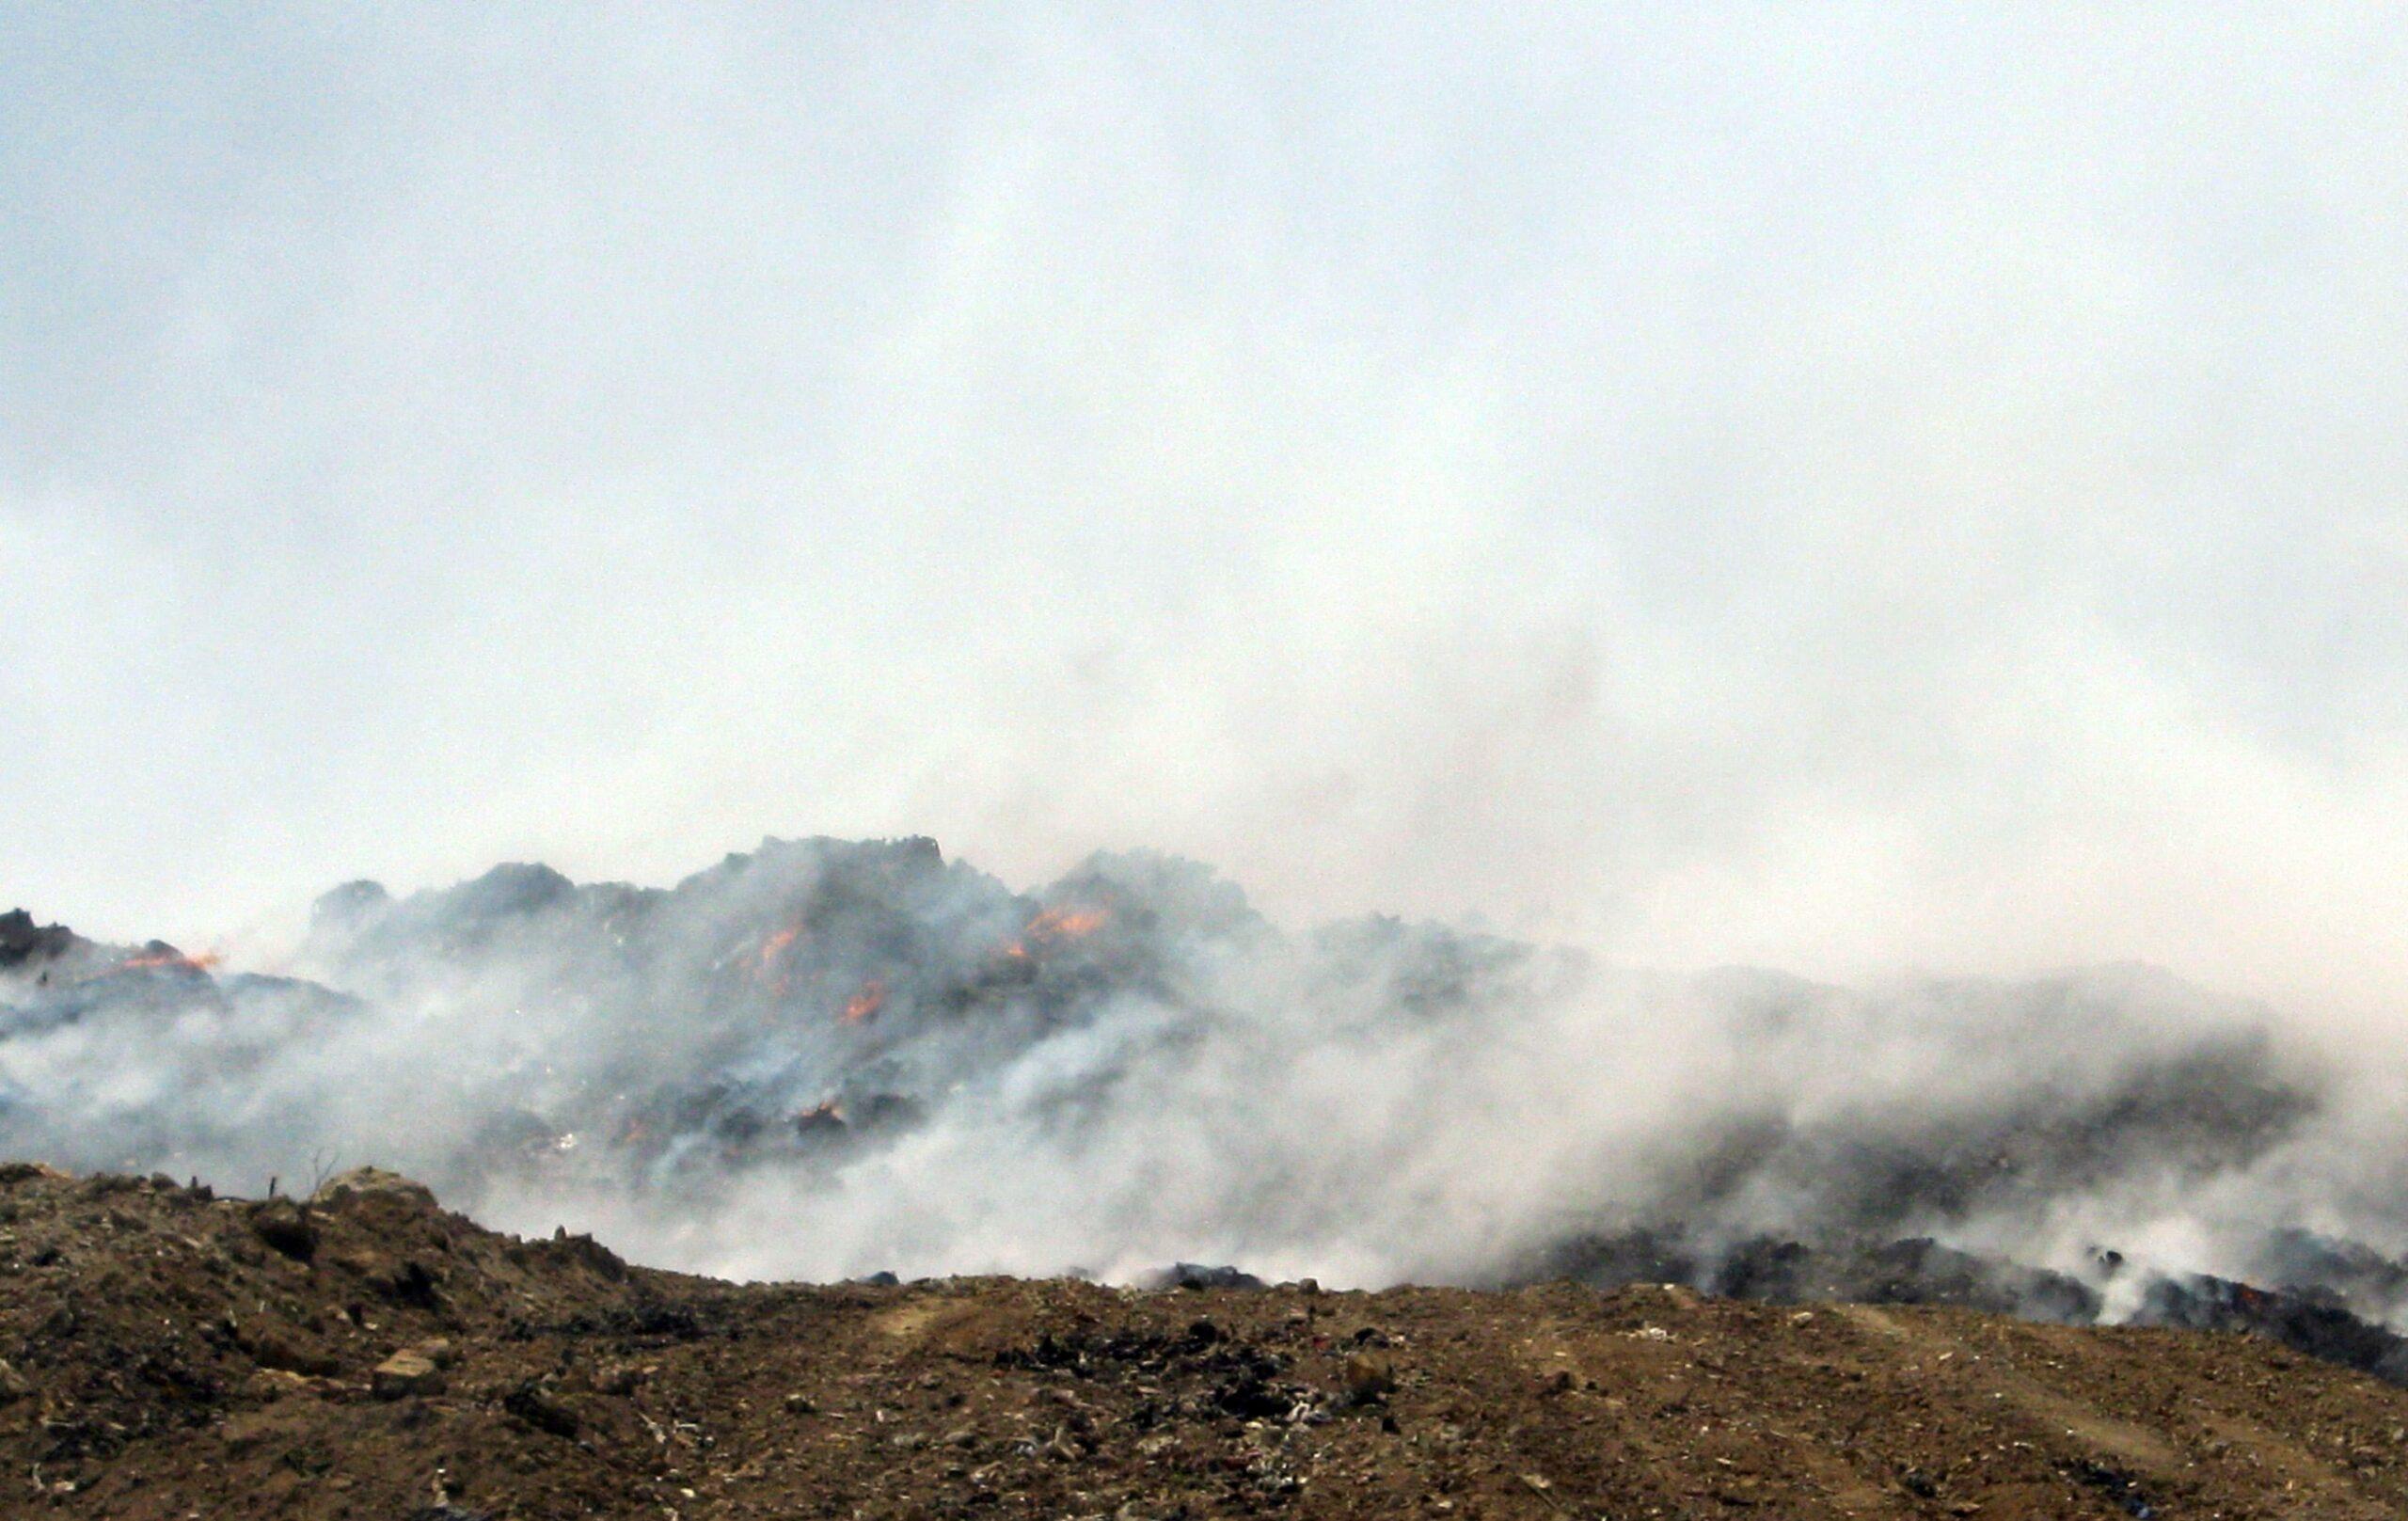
(1848,488)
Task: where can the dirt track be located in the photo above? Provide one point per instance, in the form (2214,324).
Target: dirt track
(171,1356)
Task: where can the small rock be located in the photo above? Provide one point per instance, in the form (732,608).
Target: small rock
(269,1384)
(532,1402)
(1204,1276)
(801,1404)
(286,1227)
(405,1373)
(1369,1382)
(374,1182)
(274,1346)
(619,1378)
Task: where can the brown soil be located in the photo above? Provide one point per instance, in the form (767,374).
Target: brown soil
(173,1355)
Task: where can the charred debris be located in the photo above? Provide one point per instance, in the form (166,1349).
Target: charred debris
(811,1005)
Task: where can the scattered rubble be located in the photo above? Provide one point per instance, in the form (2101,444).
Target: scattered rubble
(162,1359)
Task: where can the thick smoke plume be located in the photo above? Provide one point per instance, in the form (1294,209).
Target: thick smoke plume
(824,1058)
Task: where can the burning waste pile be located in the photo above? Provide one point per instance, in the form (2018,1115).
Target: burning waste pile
(826,1059)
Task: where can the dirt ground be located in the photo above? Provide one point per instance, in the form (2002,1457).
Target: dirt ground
(170,1354)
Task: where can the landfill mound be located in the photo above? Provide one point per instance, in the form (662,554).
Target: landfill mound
(1129,1066)
(367,1353)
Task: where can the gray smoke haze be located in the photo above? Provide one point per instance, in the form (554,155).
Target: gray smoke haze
(1908,500)
(1847,490)
(823,1059)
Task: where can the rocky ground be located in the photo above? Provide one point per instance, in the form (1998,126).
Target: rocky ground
(170,1355)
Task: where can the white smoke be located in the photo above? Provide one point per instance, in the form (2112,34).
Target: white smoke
(822,1059)
(1849,492)
(1842,491)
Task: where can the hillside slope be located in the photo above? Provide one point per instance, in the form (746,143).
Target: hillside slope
(172,1355)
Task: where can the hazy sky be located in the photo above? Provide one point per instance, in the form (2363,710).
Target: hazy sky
(1834,487)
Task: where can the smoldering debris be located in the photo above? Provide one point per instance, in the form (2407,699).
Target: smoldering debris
(1202,1276)
(25,945)
(824,1058)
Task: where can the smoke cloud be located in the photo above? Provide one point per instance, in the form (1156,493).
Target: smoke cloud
(1840,492)
(1552,504)
(825,1059)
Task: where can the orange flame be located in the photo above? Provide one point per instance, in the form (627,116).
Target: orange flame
(155,959)
(776,944)
(864,1005)
(773,949)
(1054,926)
(1066,924)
